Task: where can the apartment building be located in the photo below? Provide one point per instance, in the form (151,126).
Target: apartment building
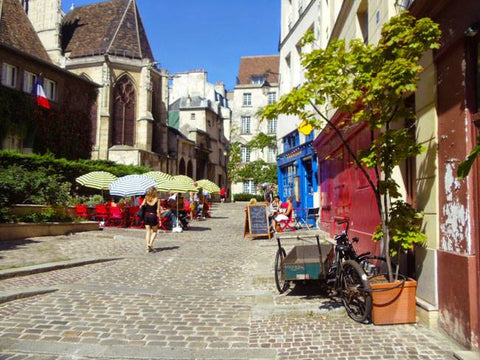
(199,111)
(257,86)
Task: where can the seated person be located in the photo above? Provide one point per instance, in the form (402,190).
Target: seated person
(276,204)
(284,214)
(270,212)
(168,212)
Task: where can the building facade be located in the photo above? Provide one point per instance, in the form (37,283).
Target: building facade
(107,44)
(297,162)
(200,112)
(23,62)
(447,104)
(257,86)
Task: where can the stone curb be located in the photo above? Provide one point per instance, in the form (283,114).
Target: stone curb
(132,352)
(34,269)
(6,296)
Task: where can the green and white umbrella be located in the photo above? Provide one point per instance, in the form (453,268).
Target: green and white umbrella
(100,180)
(208,185)
(179,183)
(160,177)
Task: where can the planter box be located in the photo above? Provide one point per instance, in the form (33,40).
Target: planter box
(28,230)
(393,304)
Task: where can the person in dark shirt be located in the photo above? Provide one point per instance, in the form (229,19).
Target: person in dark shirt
(151,216)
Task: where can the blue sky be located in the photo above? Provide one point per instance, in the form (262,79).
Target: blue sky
(210,34)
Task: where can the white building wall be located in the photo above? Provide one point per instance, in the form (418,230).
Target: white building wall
(259,100)
(46,17)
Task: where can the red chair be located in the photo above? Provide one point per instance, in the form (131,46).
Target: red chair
(162,220)
(116,217)
(135,221)
(101,213)
(285,224)
(81,211)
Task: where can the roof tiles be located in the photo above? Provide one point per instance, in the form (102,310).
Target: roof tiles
(267,66)
(16,30)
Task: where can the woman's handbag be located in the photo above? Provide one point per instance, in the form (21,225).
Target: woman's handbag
(141,212)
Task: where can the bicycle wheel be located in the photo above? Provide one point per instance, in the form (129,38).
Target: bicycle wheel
(355,291)
(280,282)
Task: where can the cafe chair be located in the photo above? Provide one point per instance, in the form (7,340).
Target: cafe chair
(115,217)
(135,221)
(81,211)
(286,224)
(100,213)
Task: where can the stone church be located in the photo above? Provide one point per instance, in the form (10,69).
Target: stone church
(106,43)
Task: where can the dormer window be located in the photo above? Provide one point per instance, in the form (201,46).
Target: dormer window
(256,79)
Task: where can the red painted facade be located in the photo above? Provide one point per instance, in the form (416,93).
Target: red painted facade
(458,93)
(344,190)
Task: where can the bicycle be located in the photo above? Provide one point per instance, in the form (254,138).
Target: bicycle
(342,270)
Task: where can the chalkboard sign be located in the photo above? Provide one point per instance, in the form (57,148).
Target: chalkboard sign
(256,221)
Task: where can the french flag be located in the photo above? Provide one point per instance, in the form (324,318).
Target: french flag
(41,97)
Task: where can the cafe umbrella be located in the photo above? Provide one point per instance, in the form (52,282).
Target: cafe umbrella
(131,185)
(208,185)
(99,180)
(96,180)
(160,177)
(179,184)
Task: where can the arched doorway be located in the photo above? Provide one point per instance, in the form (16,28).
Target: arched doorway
(190,168)
(181,167)
(123,112)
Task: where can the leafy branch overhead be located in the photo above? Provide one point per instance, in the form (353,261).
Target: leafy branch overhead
(369,85)
(259,171)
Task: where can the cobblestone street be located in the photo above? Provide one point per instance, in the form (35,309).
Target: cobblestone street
(205,293)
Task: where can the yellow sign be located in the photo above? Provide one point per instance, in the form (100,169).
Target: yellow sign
(305,128)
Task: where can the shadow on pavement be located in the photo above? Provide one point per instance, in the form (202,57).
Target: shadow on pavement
(166,248)
(13,244)
(198,228)
(316,290)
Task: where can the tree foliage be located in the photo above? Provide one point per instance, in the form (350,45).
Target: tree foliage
(370,83)
(465,166)
(259,170)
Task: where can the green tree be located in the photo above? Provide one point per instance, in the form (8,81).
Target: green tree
(258,170)
(370,83)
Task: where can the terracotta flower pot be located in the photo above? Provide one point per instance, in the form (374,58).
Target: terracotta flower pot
(394,303)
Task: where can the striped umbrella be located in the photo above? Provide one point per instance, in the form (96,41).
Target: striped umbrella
(208,185)
(96,180)
(160,177)
(131,185)
(179,183)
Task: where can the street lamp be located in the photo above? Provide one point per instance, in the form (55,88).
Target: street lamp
(403,4)
(266,87)
(472,30)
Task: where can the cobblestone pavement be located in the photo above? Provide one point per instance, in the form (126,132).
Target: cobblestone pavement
(205,293)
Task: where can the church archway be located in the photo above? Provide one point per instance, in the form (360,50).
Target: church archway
(123,112)
(190,169)
(181,167)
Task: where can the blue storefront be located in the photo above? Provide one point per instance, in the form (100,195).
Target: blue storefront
(297,173)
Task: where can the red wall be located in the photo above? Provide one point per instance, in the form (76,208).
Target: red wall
(345,192)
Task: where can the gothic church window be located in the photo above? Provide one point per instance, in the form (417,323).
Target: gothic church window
(123,116)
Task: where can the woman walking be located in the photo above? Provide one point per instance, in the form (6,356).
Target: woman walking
(151,215)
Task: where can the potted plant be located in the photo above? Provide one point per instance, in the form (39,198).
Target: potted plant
(370,83)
